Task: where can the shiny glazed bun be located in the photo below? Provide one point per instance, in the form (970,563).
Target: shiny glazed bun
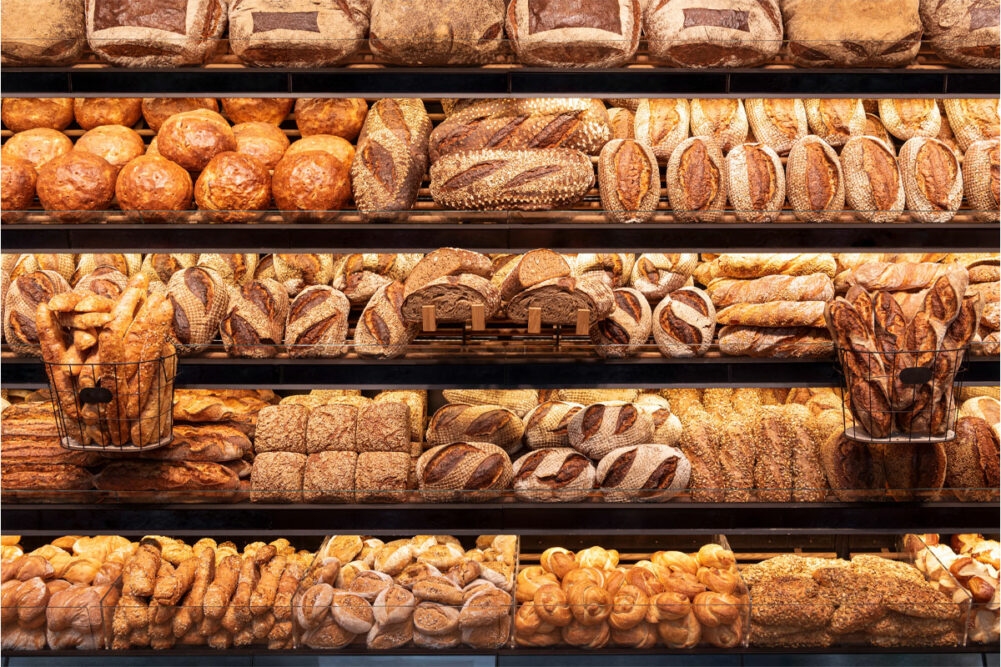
(261,140)
(37,146)
(117,144)
(17,186)
(193,138)
(26,113)
(250,109)
(156,110)
(76,184)
(307,185)
(342,117)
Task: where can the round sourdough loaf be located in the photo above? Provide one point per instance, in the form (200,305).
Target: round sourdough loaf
(666,425)
(479,423)
(27,113)
(233,188)
(626,330)
(311,186)
(37,146)
(200,300)
(963,32)
(724,120)
(556,474)
(128,263)
(908,118)
(628,181)
(815,184)
(17,187)
(297,271)
(359,276)
(643,473)
(714,33)
(193,138)
(261,140)
(779,123)
(873,186)
(437,32)
(463,471)
(381,331)
(836,120)
(156,110)
(933,180)
(973,120)
(655,275)
(151,188)
(104,281)
(683,323)
(317,323)
(755,182)
(76,186)
(980,179)
(117,144)
(697,181)
(662,124)
(23,296)
(546,425)
(63,264)
(601,427)
(91,112)
(257,109)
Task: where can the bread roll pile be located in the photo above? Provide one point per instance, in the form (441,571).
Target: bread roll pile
(589,600)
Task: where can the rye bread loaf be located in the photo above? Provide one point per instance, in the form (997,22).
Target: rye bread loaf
(557,474)
(697,181)
(972,120)
(755,265)
(317,323)
(612,268)
(453,298)
(382,332)
(547,424)
(815,184)
(560,298)
(701,444)
(626,330)
(972,461)
(438,32)
(518,401)
(909,118)
(531,269)
(296,33)
(360,275)
(463,471)
(254,324)
(478,423)
(601,427)
(447,262)
(655,275)
(643,473)
(628,181)
(981,180)
(913,470)
(963,32)
(773,314)
(30,42)
(778,123)
(728,291)
(777,343)
(160,34)
(836,120)
(933,181)
(723,119)
(526,180)
(662,124)
(873,186)
(683,323)
(756,183)
(200,300)
(24,295)
(852,33)
(714,33)
(574,34)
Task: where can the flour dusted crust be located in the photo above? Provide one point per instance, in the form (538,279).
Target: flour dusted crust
(713,33)
(437,32)
(599,34)
(30,42)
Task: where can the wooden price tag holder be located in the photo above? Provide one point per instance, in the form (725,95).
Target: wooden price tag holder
(428,322)
(534,320)
(479,317)
(583,321)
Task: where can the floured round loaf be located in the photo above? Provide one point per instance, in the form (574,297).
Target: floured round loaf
(697,181)
(628,181)
(714,33)
(973,120)
(626,330)
(980,179)
(105,281)
(643,473)
(655,275)
(317,323)
(873,186)
(963,32)
(666,425)
(662,124)
(908,118)
(683,323)
(723,119)
(836,120)
(463,471)
(200,301)
(601,427)
(933,181)
(557,474)
(479,423)
(594,35)
(453,298)
(815,184)
(779,123)
(41,33)
(381,331)
(437,32)
(559,300)
(547,424)
(756,183)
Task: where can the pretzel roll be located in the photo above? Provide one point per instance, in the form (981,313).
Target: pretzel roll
(906,119)
(193,138)
(553,475)
(262,141)
(558,560)
(697,181)
(233,188)
(151,188)
(836,121)
(76,186)
(477,423)
(17,187)
(200,300)
(873,185)
(37,146)
(626,329)
(724,120)
(778,123)
(234,269)
(91,112)
(643,473)
(933,181)
(463,470)
(756,183)
(29,113)
(317,323)
(683,323)
(980,179)
(23,296)
(296,271)
(546,425)
(599,428)
(972,120)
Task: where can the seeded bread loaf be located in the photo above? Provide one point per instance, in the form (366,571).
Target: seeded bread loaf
(815,184)
(971,460)
(933,181)
(714,33)
(557,474)
(547,424)
(254,324)
(662,124)
(382,331)
(628,181)
(200,301)
(329,477)
(277,477)
(683,323)
(778,123)
(755,183)
(626,330)
(453,298)
(479,423)
(531,269)
(873,186)
(836,120)
(317,323)
(980,179)
(560,298)
(655,275)
(643,473)
(700,443)
(601,427)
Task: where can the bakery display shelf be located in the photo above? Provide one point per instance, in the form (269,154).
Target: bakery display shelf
(462,229)
(544,519)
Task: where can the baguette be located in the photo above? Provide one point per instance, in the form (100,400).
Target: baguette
(728,291)
(774,314)
(759,265)
(894,276)
(778,343)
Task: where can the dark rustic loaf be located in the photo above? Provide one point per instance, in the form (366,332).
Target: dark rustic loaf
(853,470)
(317,323)
(714,33)
(532,268)
(254,325)
(359,276)
(626,330)
(453,298)
(964,32)
(697,181)
(200,301)
(437,32)
(643,473)
(972,461)
(560,298)
(381,331)
(528,180)
(130,34)
(628,181)
(296,33)
(41,33)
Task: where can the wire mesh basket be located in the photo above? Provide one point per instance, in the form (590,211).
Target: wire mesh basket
(121,407)
(904,396)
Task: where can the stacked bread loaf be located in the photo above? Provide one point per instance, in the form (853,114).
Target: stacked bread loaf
(984,275)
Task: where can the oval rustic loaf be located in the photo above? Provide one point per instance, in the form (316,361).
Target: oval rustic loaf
(973,119)
(779,123)
(628,181)
(906,119)
(381,331)
(814,181)
(547,424)
(557,474)
(724,120)
(317,323)
(479,423)
(626,330)
(933,181)
(873,186)
(643,473)
(200,301)
(697,181)
(254,326)
(683,323)
(981,179)
(601,427)
(714,33)
(662,124)
(834,120)
(463,471)
(756,183)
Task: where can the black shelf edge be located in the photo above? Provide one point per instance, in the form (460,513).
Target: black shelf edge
(673,518)
(460,372)
(500,237)
(498,81)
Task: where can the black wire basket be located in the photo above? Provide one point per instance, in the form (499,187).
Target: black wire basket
(119,407)
(903,396)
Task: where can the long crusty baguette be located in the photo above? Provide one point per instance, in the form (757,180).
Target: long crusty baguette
(779,343)
(757,265)
(895,277)
(774,314)
(728,291)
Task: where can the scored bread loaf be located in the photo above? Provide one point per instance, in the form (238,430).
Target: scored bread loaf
(612,268)
(773,451)
(626,329)
(463,471)
(756,183)
(601,427)
(382,332)
(655,275)
(24,295)
(909,118)
(913,470)
(963,32)
(972,120)
(254,324)
(557,474)
(317,323)
(530,269)
(296,33)
(128,34)
(30,42)
(63,264)
(628,181)
(528,180)
(666,425)
(546,425)
(643,473)
(559,300)
(477,423)
(593,35)
(700,442)
(683,323)
(972,460)
(874,128)
(518,401)
(933,181)
(360,276)
(836,120)
(724,120)
(873,186)
(815,184)
(736,265)
(714,33)
(777,123)
(453,298)
(105,281)
(728,291)
(662,124)
(200,300)
(853,469)
(774,314)
(981,181)
(895,276)
(697,181)
(438,32)
(778,343)
(234,269)
(300,270)
(161,266)
(622,122)
(128,264)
